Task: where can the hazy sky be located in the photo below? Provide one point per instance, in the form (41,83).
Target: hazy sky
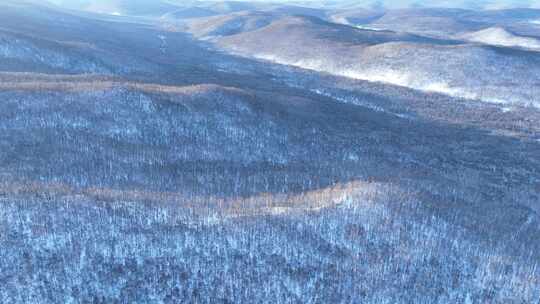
(492,4)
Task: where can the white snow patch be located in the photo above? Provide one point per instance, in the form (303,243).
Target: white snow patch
(404,79)
(344,21)
(501,37)
(387,76)
(359,102)
(383,76)
(340,20)
(444,88)
(164,44)
(369,28)
(278,210)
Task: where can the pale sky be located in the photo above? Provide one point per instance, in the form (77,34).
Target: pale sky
(489,4)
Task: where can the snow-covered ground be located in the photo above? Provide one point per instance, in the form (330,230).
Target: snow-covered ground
(394,76)
(12,47)
(501,37)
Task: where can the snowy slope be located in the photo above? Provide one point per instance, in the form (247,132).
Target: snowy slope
(449,67)
(501,37)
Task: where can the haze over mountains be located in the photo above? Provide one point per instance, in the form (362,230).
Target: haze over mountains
(240,152)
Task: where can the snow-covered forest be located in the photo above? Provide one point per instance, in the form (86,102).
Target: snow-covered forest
(249,152)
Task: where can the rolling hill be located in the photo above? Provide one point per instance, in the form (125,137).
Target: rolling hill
(231,24)
(467,70)
(441,22)
(501,37)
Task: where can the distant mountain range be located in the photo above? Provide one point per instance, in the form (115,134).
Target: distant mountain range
(398,58)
